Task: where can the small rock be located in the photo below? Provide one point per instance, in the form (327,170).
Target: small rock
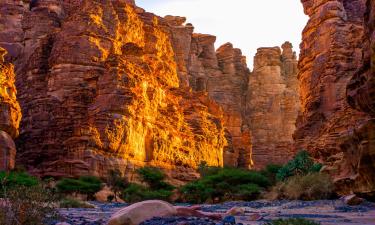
(353,200)
(229,220)
(236,211)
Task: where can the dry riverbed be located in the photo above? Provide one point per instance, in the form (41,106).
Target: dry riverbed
(326,212)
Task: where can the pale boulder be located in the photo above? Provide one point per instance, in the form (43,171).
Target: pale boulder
(142,211)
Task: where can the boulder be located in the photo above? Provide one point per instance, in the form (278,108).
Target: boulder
(142,211)
(352,200)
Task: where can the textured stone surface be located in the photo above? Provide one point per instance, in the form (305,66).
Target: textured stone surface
(10,114)
(335,44)
(99,89)
(273,104)
(359,147)
(221,73)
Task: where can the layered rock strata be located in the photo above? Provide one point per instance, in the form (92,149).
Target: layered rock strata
(359,148)
(99,90)
(10,114)
(335,44)
(221,73)
(272,104)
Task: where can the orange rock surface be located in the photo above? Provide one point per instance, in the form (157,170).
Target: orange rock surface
(273,105)
(99,90)
(10,114)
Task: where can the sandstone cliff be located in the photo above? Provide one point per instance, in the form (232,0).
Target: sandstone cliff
(221,73)
(10,114)
(257,133)
(99,89)
(273,105)
(106,85)
(335,44)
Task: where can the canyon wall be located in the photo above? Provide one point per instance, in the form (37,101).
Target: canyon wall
(337,89)
(260,108)
(10,114)
(273,105)
(98,86)
(221,74)
(106,85)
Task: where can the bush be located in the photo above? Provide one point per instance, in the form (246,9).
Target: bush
(84,185)
(314,186)
(31,205)
(292,222)
(13,179)
(133,193)
(301,164)
(205,170)
(154,177)
(72,203)
(117,182)
(196,192)
(225,184)
(157,188)
(271,171)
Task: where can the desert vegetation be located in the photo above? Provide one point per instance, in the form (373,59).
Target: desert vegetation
(298,221)
(25,200)
(154,186)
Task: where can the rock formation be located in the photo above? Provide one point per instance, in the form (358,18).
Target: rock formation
(99,90)
(106,85)
(273,104)
(223,74)
(336,43)
(10,114)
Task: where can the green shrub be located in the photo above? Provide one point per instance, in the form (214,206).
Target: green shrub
(137,193)
(72,203)
(154,177)
(271,171)
(158,195)
(301,164)
(313,186)
(248,192)
(225,184)
(12,179)
(196,192)
(292,222)
(117,182)
(31,205)
(84,185)
(133,193)
(205,170)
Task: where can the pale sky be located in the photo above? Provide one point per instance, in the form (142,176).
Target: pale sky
(247,24)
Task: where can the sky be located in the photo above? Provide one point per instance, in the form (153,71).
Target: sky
(247,24)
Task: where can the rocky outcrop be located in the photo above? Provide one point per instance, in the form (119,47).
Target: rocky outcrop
(335,44)
(221,73)
(359,147)
(99,90)
(272,105)
(10,114)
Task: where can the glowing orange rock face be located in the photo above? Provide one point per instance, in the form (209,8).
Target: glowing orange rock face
(10,114)
(100,90)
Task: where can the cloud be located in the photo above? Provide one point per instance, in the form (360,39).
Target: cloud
(248,24)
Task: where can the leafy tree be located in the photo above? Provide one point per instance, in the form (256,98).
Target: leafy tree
(301,164)
(88,185)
